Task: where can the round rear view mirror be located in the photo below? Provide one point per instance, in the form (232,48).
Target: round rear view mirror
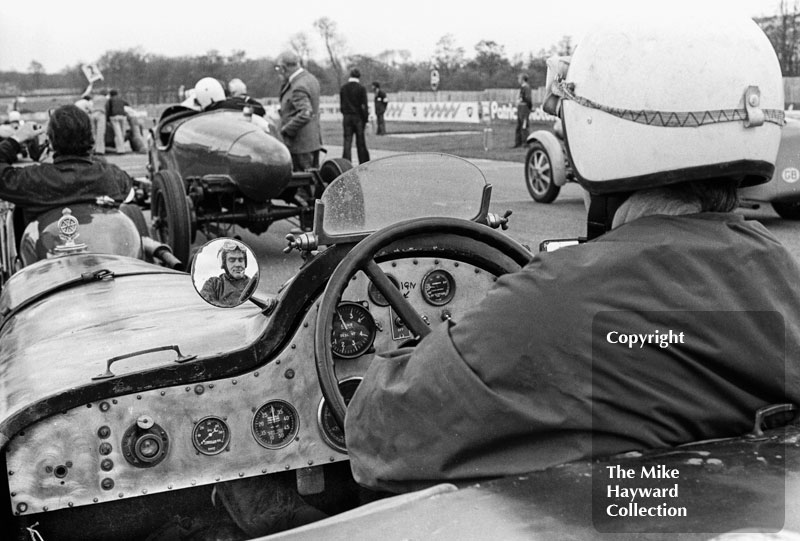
(225,272)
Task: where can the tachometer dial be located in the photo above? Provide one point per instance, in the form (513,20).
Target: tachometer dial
(438,287)
(376,296)
(331,431)
(275,424)
(353,330)
(211,436)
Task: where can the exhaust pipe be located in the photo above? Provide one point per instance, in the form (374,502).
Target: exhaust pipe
(162,252)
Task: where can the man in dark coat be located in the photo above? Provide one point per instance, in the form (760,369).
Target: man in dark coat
(75,176)
(355,114)
(381,102)
(524,106)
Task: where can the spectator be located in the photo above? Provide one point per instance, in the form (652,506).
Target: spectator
(98,119)
(381,102)
(115,111)
(299,97)
(524,107)
(355,114)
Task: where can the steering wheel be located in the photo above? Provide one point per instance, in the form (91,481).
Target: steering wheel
(362,257)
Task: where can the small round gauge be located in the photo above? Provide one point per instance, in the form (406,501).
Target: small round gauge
(376,296)
(332,433)
(211,436)
(275,424)
(438,287)
(353,330)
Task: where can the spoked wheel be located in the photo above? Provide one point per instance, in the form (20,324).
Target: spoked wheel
(788,210)
(170,213)
(486,245)
(539,177)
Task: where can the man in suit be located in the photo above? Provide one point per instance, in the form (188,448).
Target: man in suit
(355,114)
(299,112)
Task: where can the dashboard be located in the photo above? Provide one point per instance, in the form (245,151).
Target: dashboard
(267,420)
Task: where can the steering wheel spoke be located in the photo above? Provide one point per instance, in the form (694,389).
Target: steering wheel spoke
(396,299)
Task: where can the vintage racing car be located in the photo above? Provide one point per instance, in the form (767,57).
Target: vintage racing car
(100,228)
(128,401)
(210,170)
(548,168)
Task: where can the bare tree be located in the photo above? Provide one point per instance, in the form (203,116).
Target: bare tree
(782,31)
(301,45)
(447,56)
(334,44)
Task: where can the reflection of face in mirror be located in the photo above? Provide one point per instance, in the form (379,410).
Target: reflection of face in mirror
(239,277)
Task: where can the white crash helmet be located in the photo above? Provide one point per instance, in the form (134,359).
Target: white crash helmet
(236,87)
(663,101)
(207,91)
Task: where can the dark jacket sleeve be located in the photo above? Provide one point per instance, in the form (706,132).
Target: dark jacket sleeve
(363,104)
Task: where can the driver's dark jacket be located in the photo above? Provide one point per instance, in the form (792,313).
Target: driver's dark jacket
(522,382)
(67,181)
(223,290)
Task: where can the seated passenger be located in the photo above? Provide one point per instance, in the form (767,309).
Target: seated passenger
(75,176)
(675,323)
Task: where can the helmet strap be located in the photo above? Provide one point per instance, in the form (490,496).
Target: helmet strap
(601,213)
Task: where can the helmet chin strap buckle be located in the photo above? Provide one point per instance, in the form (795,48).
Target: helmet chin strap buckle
(752,103)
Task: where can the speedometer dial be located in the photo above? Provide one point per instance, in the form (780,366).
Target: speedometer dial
(353,330)
(211,436)
(275,424)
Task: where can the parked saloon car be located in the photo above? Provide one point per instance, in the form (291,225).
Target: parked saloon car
(127,398)
(225,167)
(547,168)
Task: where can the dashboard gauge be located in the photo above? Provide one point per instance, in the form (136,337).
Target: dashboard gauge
(376,296)
(211,436)
(275,424)
(438,287)
(332,433)
(353,330)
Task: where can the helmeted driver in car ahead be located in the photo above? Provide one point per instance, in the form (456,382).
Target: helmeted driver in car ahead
(675,323)
(226,289)
(75,176)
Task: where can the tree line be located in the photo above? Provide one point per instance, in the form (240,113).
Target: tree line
(148,77)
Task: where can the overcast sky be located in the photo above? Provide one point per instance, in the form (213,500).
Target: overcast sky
(59,33)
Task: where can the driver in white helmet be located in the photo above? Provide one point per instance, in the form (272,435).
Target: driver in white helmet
(207,91)
(675,323)
(236,99)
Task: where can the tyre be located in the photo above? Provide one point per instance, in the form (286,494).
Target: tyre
(788,210)
(170,213)
(332,168)
(539,174)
